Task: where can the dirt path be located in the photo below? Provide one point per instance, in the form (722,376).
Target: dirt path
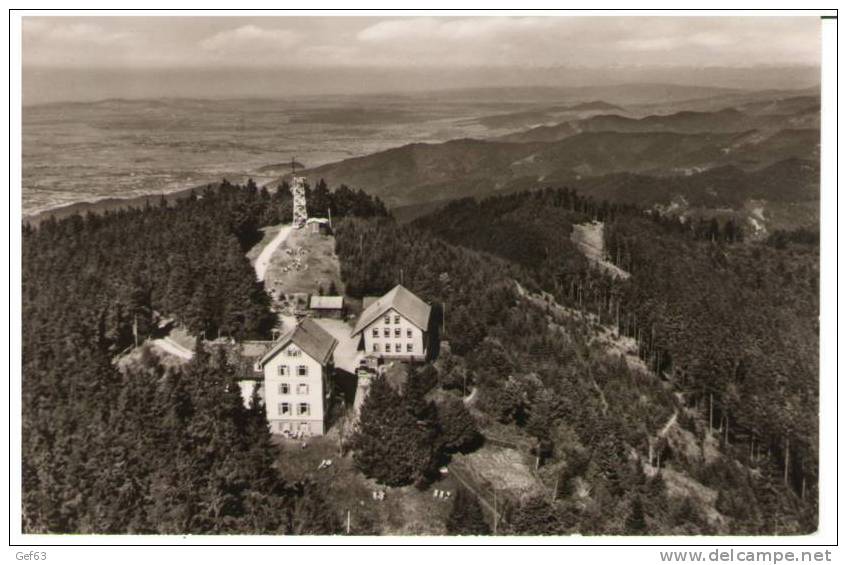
(264,258)
(173,348)
(589,239)
(671,421)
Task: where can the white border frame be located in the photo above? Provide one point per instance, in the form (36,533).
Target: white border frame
(828,408)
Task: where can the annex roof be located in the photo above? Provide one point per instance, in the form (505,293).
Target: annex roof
(326,302)
(403,301)
(315,341)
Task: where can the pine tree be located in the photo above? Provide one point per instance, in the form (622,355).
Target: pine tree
(635,522)
(391,445)
(466,517)
(312,514)
(458,428)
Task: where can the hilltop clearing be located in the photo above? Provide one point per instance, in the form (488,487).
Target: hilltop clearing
(303,262)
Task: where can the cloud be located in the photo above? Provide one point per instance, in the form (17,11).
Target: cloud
(592,41)
(473,41)
(649,44)
(72,33)
(403,43)
(251,38)
(436,29)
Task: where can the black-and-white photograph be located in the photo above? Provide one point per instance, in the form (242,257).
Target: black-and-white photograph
(395,275)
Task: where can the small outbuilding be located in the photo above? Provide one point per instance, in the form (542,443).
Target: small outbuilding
(319,225)
(327,306)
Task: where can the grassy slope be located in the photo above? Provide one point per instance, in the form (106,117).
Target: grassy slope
(404,511)
(286,273)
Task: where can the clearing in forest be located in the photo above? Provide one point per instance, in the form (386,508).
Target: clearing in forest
(589,240)
(303,263)
(493,468)
(402,511)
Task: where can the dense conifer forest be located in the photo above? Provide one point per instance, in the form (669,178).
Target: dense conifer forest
(733,325)
(150,450)
(728,329)
(725,330)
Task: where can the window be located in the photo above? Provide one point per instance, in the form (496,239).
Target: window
(284,409)
(376,332)
(283,388)
(293,352)
(396,332)
(397,347)
(386,332)
(409,333)
(408,347)
(387,319)
(302,371)
(283,370)
(396,319)
(376,348)
(302,389)
(303,409)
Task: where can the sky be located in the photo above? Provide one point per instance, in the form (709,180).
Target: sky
(69,56)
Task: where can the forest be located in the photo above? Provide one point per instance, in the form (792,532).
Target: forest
(725,330)
(537,374)
(730,325)
(93,287)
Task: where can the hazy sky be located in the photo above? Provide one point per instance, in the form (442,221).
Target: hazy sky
(396,45)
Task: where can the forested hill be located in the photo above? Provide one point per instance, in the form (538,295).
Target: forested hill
(153,451)
(788,181)
(731,325)
(792,113)
(420,173)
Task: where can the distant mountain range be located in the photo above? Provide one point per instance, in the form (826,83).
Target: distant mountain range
(551,114)
(420,173)
(760,148)
(763,145)
(796,113)
(791,180)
